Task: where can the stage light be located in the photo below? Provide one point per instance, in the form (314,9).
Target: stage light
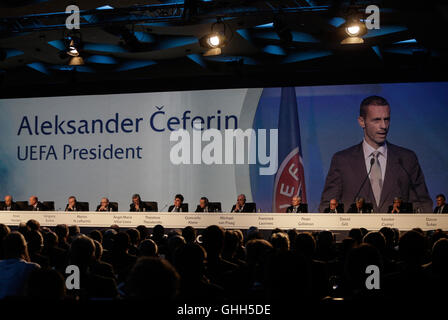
(353,30)
(216,39)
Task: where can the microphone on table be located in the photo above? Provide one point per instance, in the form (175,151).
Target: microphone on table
(372,161)
(400,162)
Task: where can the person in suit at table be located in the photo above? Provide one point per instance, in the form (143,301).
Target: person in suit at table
(397,206)
(296,206)
(105,205)
(72,204)
(35,205)
(441,204)
(393,170)
(137,204)
(334,207)
(177,206)
(9,204)
(242,206)
(204,206)
(359,206)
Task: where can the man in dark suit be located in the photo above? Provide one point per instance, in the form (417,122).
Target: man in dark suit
(242,206)
(35,205)
(204,206)
(137,204)
(441,204)
(9,204)
(105,205)
(359,206)
(392,170)
(178,204)
(397,206)
(296,206)
(334,207)
(72,205)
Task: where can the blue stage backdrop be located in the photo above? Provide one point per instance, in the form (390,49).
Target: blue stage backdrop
(119,144)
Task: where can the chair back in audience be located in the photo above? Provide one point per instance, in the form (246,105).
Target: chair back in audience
(151,205)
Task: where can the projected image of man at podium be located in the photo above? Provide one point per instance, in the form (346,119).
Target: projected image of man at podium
(376,169)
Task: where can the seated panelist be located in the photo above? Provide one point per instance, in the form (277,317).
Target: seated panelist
(72,204)
(397,206)
(9,204)
(359,206)
(137,204)
(177,206)
(296,206)
(35,204)
(104,205)
(242,206)
(334,207)
(204,206)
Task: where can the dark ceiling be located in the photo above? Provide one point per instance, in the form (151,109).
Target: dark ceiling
(131,45)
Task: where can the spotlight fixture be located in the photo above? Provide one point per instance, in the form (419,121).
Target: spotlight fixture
(216,39)
(73,46)
(353,30)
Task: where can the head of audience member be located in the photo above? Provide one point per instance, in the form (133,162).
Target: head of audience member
(45,284)
(333,204)
(73,231)
(189,233)
(174,243)
(231,242)
(377,240)
(121,243)
(296,201)
(144,232)
(258,251)
(32,225)
(4,231)
(158,233)
(305,244)
(397,203)
(213,241)
(82,252)
(153,279)
(96,235)
(203,202)
(35,241)
(374,119)
(440,256)
(108,239)
(280,241)
(189,261)
(325,245)
(62,232)
(134,236)
(389,236)
(412,248)
(241,200)
(148,248)
(440,200)
(253,233)
(178,200)
(136,200)
(356,263)
(72,202)
(98,250)
(355,234)
(359,203)
(8,200)
(15,247)
(50,240)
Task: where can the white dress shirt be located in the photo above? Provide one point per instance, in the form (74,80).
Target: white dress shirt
(382,158)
